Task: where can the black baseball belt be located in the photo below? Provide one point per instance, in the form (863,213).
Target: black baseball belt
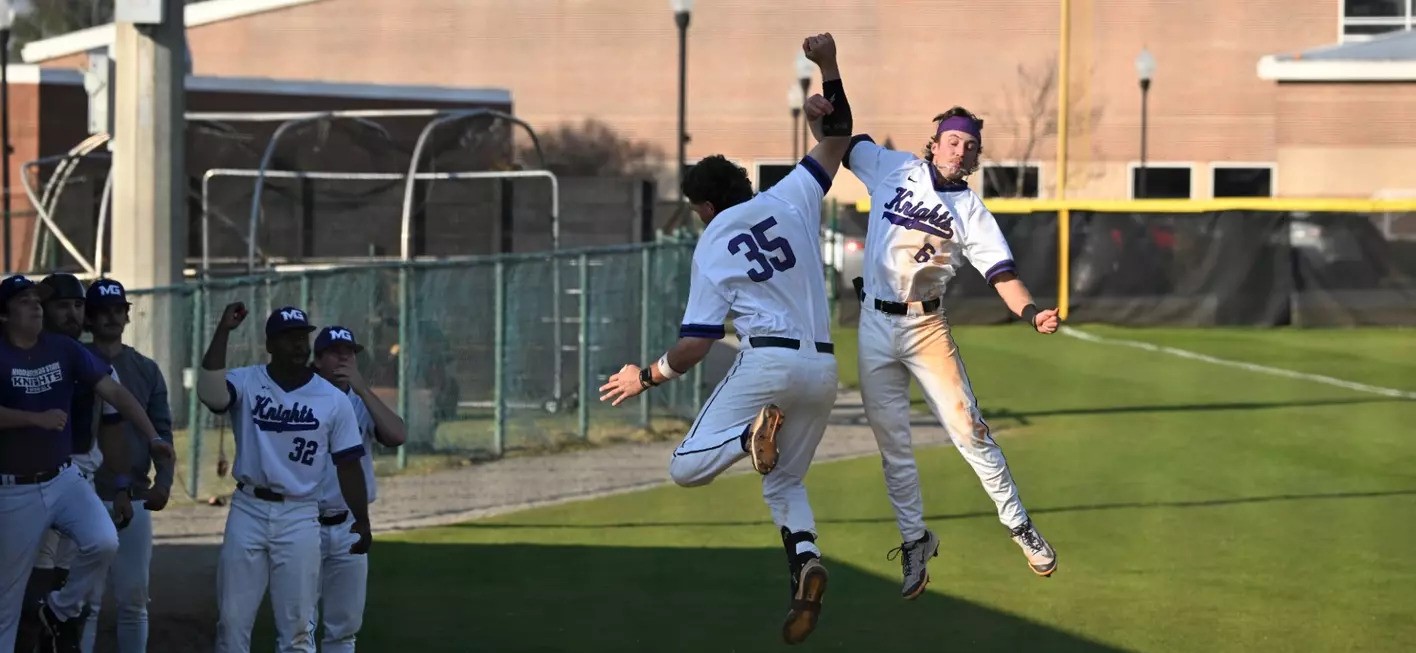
(788,343)
(895,308)
(263,493)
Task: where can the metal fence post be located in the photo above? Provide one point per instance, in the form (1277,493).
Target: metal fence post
(499,358)
(194,418)
(584,349)
(644,262)
(404,315)
(305,292)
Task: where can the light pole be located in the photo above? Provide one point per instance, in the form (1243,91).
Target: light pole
(682,10)
(7,18)
(803,70)
(795,99)
(1145,68)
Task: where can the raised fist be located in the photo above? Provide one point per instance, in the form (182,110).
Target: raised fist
(233,315)
(820,48)
(816,107)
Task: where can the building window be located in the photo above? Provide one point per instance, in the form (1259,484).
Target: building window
(1011,180)
(1364,19)
(1165,181)
(1243,181)
(768,174)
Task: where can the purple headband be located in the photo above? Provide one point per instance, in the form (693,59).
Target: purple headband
(962,124)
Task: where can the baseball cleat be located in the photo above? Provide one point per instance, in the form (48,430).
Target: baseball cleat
(56,635)
(762,438)
(914,563)
(1041,558)
(808,587)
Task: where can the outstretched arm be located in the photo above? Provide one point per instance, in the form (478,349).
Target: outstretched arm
(830,112)
(633,379)
(1015,294)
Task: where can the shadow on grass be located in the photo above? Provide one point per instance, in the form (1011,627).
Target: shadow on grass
(1208,503)
(525,598)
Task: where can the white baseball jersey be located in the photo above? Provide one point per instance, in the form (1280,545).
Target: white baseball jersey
(331,497)
(287,441)
(920,226)
(760,263)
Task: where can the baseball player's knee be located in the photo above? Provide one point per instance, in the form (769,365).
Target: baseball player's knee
(687,474)
(104,545)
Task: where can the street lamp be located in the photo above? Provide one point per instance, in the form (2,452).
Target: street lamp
(1145,68)
(7,18)
(795,99)
(803,70)
(682,10)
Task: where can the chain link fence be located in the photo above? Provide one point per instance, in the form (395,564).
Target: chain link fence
(483,357)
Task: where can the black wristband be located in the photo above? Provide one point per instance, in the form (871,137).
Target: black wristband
(839,123)
(646,377)
(1030,314)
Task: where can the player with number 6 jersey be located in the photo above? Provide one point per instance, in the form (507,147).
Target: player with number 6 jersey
(925,225)
(290,425)
(759,262)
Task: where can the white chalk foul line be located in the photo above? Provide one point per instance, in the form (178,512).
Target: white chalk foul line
(1252,367)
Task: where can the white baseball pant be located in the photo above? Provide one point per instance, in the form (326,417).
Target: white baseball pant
(65,502)
(800,382)
(892,348)
(275,545)
(128,577)
(343,585)
(55,550)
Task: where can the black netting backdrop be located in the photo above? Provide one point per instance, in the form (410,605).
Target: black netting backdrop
(1255,268)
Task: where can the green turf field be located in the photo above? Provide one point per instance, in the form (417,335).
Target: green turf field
(1194,507)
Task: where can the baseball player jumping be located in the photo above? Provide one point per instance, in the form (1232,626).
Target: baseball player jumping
(289,425)
(925,223)
(344,575)
(40,487)
(759,259)
(106,315)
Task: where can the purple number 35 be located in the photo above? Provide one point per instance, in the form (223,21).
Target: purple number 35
(758,242)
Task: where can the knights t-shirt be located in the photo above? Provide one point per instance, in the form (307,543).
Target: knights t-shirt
(43,377)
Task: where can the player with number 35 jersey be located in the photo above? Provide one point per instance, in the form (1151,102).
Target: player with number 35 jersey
(758,262)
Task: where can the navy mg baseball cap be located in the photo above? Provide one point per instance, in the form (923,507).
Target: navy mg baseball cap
(16,284)
(106,292)
(287,318)
(336,335)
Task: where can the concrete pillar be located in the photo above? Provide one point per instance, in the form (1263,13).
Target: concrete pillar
(149,241)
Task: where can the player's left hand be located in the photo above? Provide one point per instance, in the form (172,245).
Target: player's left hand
(817,106)
(122,510)
(157,497)
(366,539)
(161,450)
(623,386)
(1046,321)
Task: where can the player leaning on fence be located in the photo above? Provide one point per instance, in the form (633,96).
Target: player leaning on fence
(759,260)
(925,223)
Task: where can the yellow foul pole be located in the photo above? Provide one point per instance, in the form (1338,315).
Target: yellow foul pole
(1064,218)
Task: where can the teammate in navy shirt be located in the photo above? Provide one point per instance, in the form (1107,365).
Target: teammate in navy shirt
(39,486)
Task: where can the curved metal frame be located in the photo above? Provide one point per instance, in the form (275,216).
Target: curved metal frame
(265,163)
(43,204)
(405,294)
